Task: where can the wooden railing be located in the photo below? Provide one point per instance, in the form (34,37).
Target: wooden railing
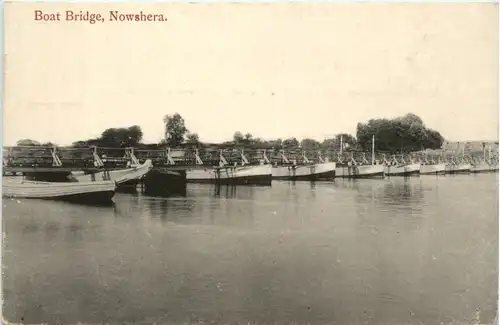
(85,157)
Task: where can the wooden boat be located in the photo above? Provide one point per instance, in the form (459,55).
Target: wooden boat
(232,175)
(226,174)
(484,165)
(432,169)
(307,172)
(363,169)
(401,168)
(461,167)
(122,177)
(85,192)
(480,167)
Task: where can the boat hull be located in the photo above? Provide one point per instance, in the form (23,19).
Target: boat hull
(128,177)
(322,171)
(90,192)
(481,168)
(232,175)
(435,169)
(406,170)
(363,171)
(458,169)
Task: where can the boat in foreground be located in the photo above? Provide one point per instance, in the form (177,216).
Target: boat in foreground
(97,192)
(122,177)
(232,175)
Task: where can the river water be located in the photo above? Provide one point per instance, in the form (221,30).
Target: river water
(422,250)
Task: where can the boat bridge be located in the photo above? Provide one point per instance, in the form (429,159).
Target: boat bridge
(44,159)
(49,159)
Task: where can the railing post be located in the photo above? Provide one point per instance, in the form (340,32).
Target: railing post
(244,160)
(170,161)
(285,159)
(197,157)
(97,161)
(56,162)
(222,160)
(304,157)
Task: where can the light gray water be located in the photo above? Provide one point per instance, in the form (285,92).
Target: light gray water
(419,250)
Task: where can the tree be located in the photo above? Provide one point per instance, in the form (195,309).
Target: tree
(309,144)
(348,141)
(175,129)
(238,137)
(120,137)
(192,138)
(27,143)
(402,134)
(291,142)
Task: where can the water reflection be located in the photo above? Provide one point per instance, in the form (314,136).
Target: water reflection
(365,251)
(228,191)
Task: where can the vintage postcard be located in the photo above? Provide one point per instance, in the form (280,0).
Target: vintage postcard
(250,163)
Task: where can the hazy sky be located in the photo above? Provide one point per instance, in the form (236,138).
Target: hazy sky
(274,70)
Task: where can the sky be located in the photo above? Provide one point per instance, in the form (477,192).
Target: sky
(275,70)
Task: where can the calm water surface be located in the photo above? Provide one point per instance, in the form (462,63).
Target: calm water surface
(394,251)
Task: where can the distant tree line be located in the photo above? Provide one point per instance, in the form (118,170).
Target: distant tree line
(401,134)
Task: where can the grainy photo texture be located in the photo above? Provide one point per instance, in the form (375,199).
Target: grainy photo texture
(245,163)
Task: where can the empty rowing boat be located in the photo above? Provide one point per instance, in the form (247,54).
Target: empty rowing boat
(86,192)
(129,176)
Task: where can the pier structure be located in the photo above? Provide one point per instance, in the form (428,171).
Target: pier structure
(171,164)
(92,159)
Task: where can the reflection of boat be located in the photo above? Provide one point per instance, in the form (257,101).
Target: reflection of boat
(86,192)
(129,176)
(236,175)
(309,172)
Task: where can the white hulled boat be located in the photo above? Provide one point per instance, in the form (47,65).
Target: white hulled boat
(324,170)
(482,165)
(225,174)
(86,192)
(458,167)
(353,169)
(431,167)
(123,177)
(232,175)
(397,168)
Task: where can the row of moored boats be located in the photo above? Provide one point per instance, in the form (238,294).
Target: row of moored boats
(100,187)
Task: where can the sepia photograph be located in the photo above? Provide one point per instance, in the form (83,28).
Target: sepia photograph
(281,163)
